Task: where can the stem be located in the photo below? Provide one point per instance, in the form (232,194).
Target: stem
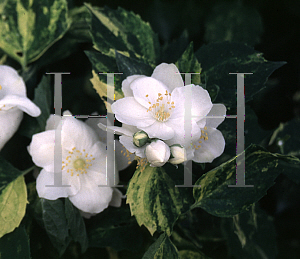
(28,170)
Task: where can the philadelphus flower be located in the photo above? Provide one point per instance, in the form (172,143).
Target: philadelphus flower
(156,105)
(13,102)
(83,165)
(157,153)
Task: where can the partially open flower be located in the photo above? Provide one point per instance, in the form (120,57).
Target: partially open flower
(13,102)
(157,153)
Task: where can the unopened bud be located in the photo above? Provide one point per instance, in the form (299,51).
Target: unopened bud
(140,138)
(157,153)
(178,154)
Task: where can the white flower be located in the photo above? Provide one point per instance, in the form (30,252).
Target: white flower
(13,102)
(156,104)
(157,153)
(83,165)
(161,115)
(178,154)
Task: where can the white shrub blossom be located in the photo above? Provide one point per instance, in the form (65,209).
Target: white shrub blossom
(156,105)
(83,166)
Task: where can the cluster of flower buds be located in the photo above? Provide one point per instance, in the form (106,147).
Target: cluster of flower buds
(157,151)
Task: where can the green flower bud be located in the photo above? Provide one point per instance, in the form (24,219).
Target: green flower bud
(140,138)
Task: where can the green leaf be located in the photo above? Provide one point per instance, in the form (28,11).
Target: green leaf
(116,228)
(15,245)
(219,59)
(154,200)
(132,66)
(55,223)
(42,98)
(230,22)
(13,202)
(124,31)
(251,234)
(78,33)
(188,254)
(28,29)
(188,63)
(162,248)
(8,173)
(104,64)
(172,52)
(76,225)
(286,140)
(262,168)
(253,133)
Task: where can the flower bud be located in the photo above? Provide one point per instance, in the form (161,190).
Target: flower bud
(178,154)
(157,153)
(140,138)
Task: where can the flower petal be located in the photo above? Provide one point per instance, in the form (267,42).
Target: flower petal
(11,83)
(41,149)
(76,133)
(160,130)
(51,192)
(92,198)
(169,75)
(119,130)
(10,122)
(23,103)
(127,142)
(179,132)
(146,89)
(129,111)
(211,148)
(200,102)
(117,196)
(217,110)
(121,158)
(126,85)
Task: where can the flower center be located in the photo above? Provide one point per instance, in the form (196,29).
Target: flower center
(77,162)
(204,136)
(162,108)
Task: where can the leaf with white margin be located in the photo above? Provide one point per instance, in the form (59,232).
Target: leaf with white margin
(154,200)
